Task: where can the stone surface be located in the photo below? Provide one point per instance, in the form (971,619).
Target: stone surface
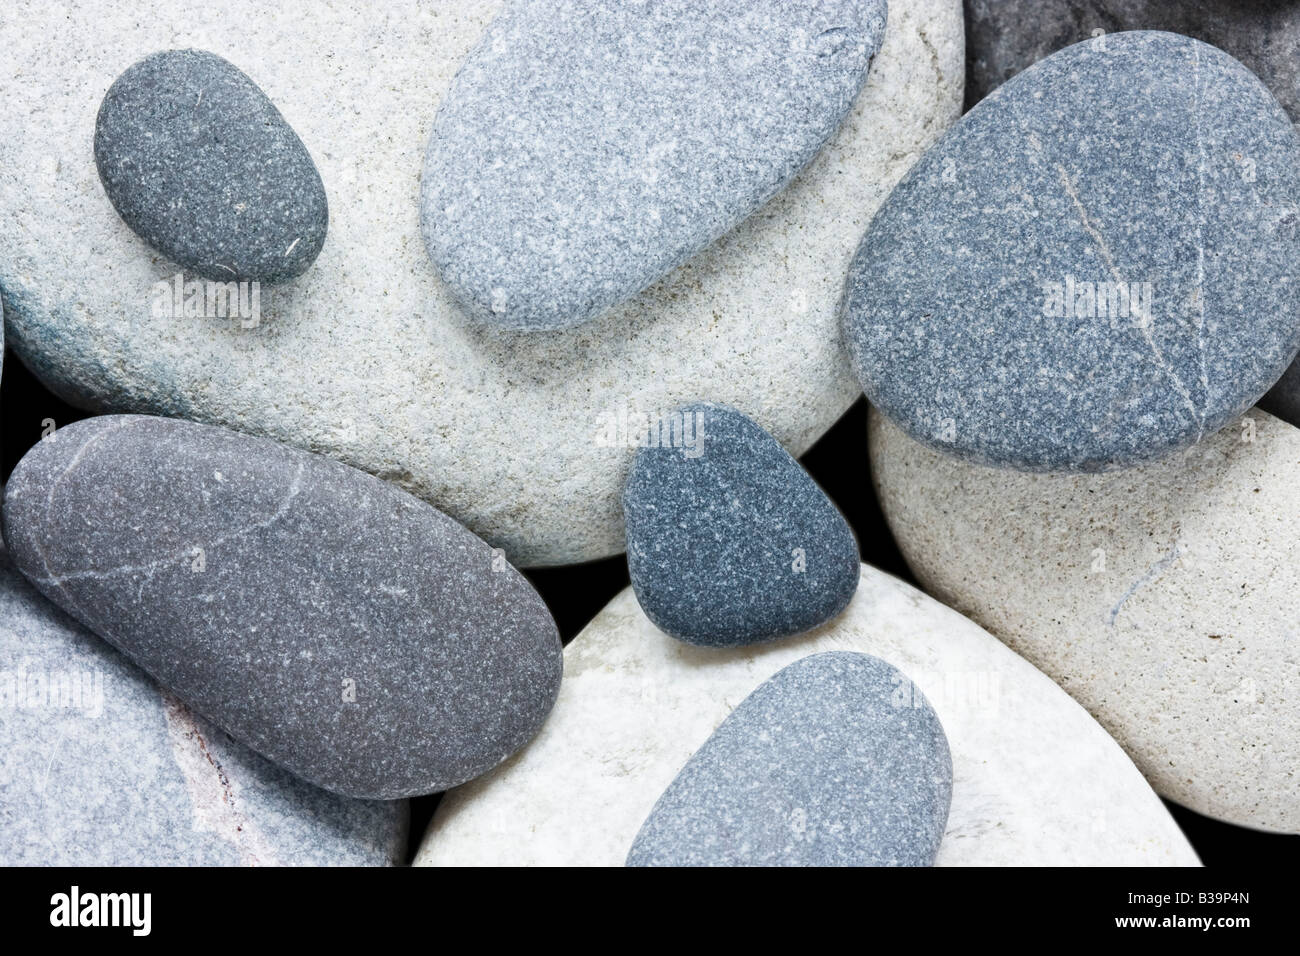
(1165,598)
(204,168)
(729,540)
(1096,267)
(1004,37)
(341,628)
(635,704)
(833,761)
(587,147)
(99,767)
(366,358)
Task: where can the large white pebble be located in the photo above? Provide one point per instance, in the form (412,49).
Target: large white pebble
(1035,780)
(1165,598)
(366,357)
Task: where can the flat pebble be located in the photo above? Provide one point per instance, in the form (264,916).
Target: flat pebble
(729,540)
(1164,598)
(836,760)
(346,631)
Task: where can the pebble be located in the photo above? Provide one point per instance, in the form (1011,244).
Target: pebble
(202,166)
(833,761)
(636,704)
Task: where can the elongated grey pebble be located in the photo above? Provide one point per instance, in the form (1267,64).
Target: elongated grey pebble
(340,627)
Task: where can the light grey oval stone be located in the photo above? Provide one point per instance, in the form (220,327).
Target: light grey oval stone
(837,760)
(100,767)
(1098,265)
(345,630)
(587,147)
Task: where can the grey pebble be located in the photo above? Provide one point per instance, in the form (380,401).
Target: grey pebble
(836,760)
(202,166)
(100,767)
(587,147)
(729,540)
(1098,265)
(345,630)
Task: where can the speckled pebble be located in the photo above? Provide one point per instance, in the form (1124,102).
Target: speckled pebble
(203,167)
(589,146)
(1004,37)
(343,629)
(368,358)
(729,540)
(99,767)
(1098,265)
(834,761)
(1165,598)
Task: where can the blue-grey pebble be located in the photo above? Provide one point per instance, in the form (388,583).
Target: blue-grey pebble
(342,628)
(100,767)
(1096,266)
(199,162)
(587,147)
(729,540)
(836,760)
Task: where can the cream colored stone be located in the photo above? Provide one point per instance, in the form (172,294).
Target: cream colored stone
(1035,780)
(1165,599)
(365,358)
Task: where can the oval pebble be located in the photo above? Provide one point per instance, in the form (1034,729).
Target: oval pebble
(341,628)
(1098,265)
(729,540)
(636,704)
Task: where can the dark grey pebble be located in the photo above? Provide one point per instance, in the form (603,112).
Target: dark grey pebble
(729,540)
(587,147)
(1096,266)
(203,167)
(347,631)
(836,760)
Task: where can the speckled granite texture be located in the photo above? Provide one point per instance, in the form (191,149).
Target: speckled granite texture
(204,168)
(587,147)
(729,540)
(1098,265)
(343,629)
(366,358)
(1165,598)
(99,767)
(835,760)
(1004,37)
(636,704)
